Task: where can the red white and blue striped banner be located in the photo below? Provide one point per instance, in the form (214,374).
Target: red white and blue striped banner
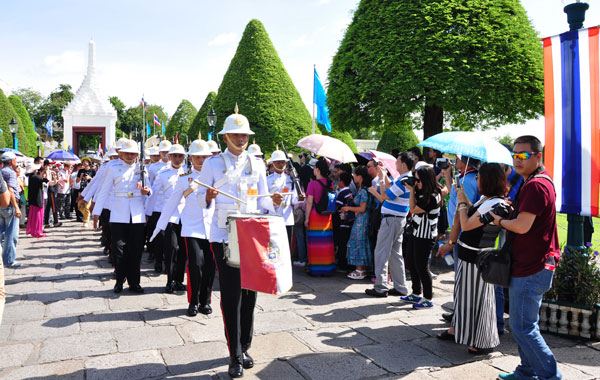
(572,111)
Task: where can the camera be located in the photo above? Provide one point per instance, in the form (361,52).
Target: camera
(408,181)
(501,209)
(442,163)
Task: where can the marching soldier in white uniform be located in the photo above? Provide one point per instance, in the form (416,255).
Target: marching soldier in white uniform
(155,247)
(281,182)
(173,245)
(195,222)
(239,174)
(124,190)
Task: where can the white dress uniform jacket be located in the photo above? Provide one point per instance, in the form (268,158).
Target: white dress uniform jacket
(92,188)
(241,176)
(154,168)
(120,192)
(162,189)
(195,219)
(282,183)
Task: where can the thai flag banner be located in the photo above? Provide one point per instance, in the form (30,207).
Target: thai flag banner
(265,263)
(156,121)
(572,113)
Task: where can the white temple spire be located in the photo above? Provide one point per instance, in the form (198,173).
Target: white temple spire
(91,57)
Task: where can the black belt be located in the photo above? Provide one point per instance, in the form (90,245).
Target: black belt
(392,216)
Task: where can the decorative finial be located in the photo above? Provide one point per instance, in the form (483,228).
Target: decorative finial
(123,134)
(199,135)
(236,109)
(254,141)
(276,146)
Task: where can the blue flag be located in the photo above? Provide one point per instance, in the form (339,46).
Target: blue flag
(163,128)
(49,126)
(34,128)
(320,99)
(148,131)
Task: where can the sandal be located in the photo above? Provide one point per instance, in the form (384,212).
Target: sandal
(479,351)
(446,336)
(357,275)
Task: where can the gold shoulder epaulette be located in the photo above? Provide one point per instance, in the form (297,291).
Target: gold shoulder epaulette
(184,174)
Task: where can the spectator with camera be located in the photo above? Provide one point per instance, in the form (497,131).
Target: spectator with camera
(395,205)
(425,202)
(359,250)
(535,254)
(474,322)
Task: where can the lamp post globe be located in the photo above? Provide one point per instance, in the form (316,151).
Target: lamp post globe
(212,121)
(13,125)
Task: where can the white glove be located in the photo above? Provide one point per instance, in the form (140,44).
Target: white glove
(193,186)
(154,234)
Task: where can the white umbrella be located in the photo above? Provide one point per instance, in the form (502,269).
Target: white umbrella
(327,146)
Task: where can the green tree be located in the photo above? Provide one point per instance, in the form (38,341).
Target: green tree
(401,137)
(507,140)
(7,112)
(119,107)
(57,100)
(257,81)
(35,104)
(27,145)
(475,63)
(182,120)
(132,121)
(200,124)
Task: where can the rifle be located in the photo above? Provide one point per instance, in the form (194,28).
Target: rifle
(293,173)
(143,159)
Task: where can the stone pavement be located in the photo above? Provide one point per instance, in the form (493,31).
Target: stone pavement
(62,320)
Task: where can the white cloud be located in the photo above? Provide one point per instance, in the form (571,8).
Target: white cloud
(223,39)
(301,42)
(69,61)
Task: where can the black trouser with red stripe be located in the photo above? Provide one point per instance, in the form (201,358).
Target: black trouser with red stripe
(201,270)
(105,224)
(174,250)
(51,205)
(127,245)
(237,305)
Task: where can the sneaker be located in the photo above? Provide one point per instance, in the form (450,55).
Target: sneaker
(425,304)
(15,264)
(375,293)
(507,376)
(301,264)
(412,298)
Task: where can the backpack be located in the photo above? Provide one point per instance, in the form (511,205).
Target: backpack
(326,204)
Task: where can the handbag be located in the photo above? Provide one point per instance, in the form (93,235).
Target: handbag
(495,265)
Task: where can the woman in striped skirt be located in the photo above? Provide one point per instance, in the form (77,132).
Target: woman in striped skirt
(474,322)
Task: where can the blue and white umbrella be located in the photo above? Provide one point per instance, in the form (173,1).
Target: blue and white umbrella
(471,144)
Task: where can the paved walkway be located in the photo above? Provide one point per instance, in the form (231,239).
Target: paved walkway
(62,320)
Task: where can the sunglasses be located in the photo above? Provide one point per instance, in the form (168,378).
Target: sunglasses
(523,155)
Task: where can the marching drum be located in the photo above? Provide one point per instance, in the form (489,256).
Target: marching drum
(258,245)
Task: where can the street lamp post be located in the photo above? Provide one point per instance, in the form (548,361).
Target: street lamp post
(13,129)
(212,122)
(575,17)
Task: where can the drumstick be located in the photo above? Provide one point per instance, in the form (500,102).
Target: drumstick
(220,192)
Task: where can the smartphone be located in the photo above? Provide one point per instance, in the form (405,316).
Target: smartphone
(457,182)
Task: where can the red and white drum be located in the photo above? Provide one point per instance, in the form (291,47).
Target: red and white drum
(258,245)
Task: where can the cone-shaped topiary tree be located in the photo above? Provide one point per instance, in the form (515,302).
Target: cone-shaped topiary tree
(200,124)
(182,120)
(28,145)
(7,112)
(257,81)
(400,137)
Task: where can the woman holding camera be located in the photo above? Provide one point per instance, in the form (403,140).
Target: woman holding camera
(425,202)
(474,322)
(359,249)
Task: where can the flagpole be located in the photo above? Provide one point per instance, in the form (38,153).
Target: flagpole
(313,103)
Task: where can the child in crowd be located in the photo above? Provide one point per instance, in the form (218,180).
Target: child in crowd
(346,219)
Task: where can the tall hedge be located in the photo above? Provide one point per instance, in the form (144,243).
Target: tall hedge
(341,135)
(181,120)
(200,124)
(28,145)
(257,81)
(401,137)
(7,112)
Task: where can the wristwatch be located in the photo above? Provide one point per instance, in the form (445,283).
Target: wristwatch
(451,242)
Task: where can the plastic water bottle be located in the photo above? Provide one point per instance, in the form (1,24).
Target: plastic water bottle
(449,257)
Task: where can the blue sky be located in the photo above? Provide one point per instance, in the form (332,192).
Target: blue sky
(180,49)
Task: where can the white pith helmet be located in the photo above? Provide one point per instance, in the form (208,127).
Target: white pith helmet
(277,155)
(236,123)
(199,148)
(153,151)
(213,146)
(112,152)
(254,150)
(130,146)
(120,143)
(177,149)
(164,146)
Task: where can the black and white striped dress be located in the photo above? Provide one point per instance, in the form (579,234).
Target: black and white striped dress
(474,299)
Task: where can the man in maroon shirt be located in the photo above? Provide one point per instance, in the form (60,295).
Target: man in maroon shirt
(535,253)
